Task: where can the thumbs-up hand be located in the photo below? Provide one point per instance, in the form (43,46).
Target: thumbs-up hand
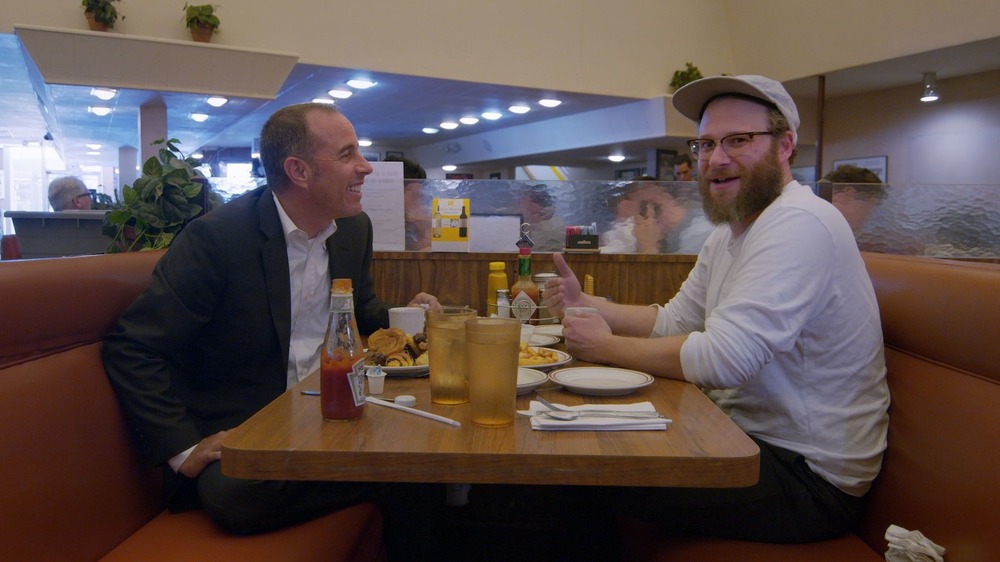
(564,291)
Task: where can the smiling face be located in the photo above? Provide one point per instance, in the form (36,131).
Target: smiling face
(736,189)
(335,168)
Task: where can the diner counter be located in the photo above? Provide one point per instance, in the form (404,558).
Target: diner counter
(460,278)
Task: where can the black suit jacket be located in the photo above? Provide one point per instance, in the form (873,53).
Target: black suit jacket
(206,345)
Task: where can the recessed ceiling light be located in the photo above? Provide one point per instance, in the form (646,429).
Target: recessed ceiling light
(217,101)
(197,155)
(99,111)
(93,146)
(449,125)
(616,158)
(324,100)
(340,94)
(103,93)
(469,120)
(492,115)
(364,142)
(449,168)
(93,153)
(549,102)
(429,130)
(360,84)
(199,117)
(519,109)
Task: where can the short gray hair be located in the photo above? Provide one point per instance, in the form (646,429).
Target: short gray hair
(63,190)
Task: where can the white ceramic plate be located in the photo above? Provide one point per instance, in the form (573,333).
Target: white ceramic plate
(562,356)
(600,381)
(411,371)
(529,379)
(542,340)
(549,330)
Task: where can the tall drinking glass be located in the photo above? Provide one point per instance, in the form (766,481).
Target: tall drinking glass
(446,354)
(491,350)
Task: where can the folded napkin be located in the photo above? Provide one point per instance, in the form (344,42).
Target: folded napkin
(911,546)
(584,423)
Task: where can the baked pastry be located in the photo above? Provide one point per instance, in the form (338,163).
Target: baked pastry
(401,359)
(388,341)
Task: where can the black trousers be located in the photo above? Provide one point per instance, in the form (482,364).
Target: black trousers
(789,504)
(411,512)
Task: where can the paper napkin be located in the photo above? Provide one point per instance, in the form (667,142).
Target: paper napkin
(911,546)
(545,423)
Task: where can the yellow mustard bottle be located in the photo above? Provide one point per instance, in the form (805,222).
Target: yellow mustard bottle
(496,280)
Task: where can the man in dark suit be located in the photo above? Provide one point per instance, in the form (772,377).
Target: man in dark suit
(235,314)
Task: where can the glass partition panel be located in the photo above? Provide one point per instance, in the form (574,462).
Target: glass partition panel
(654,217)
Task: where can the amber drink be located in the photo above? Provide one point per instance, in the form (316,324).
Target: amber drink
(446,354)
(491,350)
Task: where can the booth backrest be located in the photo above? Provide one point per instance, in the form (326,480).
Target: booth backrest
(941,324)
(71,484)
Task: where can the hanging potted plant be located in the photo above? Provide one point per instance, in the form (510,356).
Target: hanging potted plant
(681,77)
(158,204)
(101,14)
(202,21)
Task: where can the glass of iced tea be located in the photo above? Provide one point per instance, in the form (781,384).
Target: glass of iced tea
(491,350)
(446,354)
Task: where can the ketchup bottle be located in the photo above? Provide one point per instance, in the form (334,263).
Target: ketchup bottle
(342,368)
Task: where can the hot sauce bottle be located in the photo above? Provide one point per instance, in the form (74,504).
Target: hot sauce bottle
(524,292)
(342,363)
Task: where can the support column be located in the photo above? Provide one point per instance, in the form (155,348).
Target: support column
(128,163)
(152,126)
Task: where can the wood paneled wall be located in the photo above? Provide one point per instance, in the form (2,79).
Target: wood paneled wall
(460,278)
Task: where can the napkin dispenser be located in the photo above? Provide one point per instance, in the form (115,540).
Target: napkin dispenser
(582,239)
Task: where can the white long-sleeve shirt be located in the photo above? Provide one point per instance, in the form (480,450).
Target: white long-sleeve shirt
(784,334)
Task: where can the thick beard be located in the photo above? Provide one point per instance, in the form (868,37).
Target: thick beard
(759,187)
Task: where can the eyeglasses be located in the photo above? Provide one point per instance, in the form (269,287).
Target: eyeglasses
(84,194)
(736,144)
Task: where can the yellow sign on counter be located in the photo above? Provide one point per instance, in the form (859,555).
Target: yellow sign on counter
(450,225)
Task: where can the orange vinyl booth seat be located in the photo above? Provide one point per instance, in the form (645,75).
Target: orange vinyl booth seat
(71,484)
(941,325)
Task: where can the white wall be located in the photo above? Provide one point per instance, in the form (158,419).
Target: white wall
(613,47)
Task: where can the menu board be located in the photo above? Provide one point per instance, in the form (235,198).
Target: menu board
(382,199)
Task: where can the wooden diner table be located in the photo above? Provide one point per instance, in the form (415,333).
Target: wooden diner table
(289,440)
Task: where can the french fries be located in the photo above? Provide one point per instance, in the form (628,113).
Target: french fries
(536,356)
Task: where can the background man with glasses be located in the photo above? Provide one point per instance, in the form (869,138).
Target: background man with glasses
(69,194)
(777,322)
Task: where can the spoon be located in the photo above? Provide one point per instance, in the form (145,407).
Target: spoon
(577,414)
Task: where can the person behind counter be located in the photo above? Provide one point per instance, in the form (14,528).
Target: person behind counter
(236,313)
(777,321)
(69,193)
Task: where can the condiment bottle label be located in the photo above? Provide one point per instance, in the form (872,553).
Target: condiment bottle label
(357,380)
(523,307)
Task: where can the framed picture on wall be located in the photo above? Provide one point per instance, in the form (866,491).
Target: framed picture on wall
(393,154)
(665,164)
(459,176)
(495,175)
(628,173)
(877,164)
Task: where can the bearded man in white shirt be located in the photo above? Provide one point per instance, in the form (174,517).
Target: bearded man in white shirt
(777,321)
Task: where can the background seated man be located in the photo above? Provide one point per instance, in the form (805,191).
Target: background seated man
(69,193)
(856,193)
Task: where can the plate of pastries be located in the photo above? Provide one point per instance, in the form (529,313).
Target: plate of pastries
(399,353)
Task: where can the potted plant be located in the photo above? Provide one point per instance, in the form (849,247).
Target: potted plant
(101,14)
(158,204)
(681,77)
(201,20)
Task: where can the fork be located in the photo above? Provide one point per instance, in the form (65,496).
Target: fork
(561,413)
